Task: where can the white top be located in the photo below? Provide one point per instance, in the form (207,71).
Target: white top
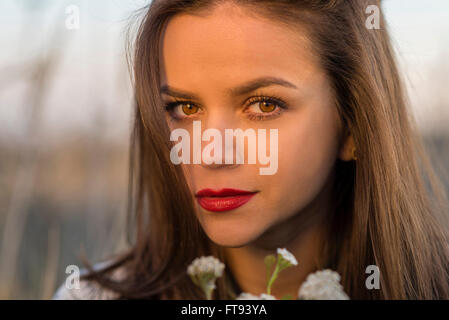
(88,290)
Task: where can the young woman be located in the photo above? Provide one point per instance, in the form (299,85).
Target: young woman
(353,185)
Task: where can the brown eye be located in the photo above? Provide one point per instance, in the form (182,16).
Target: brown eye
(266,106)
(189,109)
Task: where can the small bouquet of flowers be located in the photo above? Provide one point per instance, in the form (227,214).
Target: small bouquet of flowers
(320,285)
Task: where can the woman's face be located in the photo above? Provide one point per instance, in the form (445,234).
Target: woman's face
(209,58)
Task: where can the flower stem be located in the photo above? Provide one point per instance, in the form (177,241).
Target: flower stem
(209,294)
(273,277)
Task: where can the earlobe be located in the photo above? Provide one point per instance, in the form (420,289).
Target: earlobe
(348,150)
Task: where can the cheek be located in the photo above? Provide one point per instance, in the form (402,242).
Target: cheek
(190,176)
(308,148)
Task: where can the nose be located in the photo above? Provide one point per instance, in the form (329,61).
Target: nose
(217,152)
(215,166)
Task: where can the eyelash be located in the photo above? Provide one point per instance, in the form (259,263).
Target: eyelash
(279,102)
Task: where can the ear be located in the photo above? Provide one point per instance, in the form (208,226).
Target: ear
(346,149)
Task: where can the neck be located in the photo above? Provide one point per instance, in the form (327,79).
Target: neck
(302,234)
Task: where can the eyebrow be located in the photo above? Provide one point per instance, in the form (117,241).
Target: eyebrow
(237,91)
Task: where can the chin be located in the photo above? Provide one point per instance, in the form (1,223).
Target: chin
(236,234)
(229,242)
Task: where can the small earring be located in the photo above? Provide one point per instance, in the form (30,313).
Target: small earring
(354,157)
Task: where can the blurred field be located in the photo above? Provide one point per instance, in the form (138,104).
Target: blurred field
(74,202)
(65,106)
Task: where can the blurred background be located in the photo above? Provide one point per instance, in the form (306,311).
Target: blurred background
(65,119)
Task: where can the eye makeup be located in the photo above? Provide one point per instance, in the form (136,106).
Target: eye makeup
(272,107)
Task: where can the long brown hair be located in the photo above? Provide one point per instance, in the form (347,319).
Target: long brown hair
(389,204)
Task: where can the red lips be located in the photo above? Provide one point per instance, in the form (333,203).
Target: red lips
(223,199)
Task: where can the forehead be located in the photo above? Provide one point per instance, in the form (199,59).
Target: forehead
(231,46)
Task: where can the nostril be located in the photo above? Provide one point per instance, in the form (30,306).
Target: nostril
(220,165)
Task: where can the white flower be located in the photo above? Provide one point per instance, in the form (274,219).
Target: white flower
(206,265)
(249,296)
(322,285)
(265,296)
(204,271)
(287,256)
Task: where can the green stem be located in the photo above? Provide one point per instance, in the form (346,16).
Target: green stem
(208,294)
(208,290)
(273,277)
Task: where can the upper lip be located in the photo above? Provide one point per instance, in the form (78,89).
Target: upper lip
(226,192)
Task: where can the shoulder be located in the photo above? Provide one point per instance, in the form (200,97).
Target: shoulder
(88,290)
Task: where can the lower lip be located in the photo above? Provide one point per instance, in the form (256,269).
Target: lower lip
(219,204)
